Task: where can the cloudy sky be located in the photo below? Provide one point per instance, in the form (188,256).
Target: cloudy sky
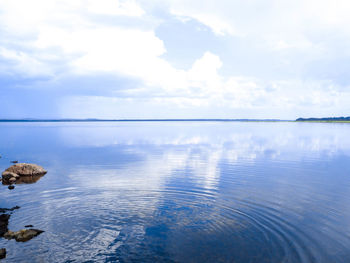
(174,58)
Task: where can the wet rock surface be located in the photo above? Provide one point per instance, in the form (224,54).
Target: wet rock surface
(4,220)
(2,253)
(8,176)
(23,235)
(3,210)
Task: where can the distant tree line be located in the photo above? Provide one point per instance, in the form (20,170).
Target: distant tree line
(325,119)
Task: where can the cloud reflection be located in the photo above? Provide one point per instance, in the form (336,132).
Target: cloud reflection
(178,189)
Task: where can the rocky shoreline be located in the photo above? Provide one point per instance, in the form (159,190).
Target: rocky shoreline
(18,173)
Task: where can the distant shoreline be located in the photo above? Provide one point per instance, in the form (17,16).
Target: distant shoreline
(325,119)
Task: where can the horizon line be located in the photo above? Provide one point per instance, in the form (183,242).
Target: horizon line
(130,120)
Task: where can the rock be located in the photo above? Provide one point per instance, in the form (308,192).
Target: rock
(22,173)
(4,221)
(2,253)
(14,161)
(3,210)
(12,180)
(28,226)
(9,177)
(23,235)
(26,169)
(6,176)
(11,187)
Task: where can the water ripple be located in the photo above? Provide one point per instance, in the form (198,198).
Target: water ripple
(202,193)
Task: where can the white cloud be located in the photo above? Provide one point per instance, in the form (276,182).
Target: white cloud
(26,64)
(288,23)
(219,26)
(203,73)
(76,37)
(114,7)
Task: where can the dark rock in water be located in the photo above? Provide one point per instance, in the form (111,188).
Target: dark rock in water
(14,161)
(22,173)
(3,210)
(4,221)
(23,235)
(12,180)
(11,187)
(28,226)
(2,253)
(7,176)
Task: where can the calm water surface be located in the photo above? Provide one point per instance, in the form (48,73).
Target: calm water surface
(181,191)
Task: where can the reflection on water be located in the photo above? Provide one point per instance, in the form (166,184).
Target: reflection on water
(24,180)
(181,192)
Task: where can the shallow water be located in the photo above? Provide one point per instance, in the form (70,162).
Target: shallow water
(181,191)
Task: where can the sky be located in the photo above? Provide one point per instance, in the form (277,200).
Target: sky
(136,59)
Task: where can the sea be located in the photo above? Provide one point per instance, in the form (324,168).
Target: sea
(180,191)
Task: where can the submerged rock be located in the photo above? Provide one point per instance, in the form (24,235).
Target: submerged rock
(4,221)
(7,176)
(12,180)
(3,210)
(22,173)
(11,187)
(23,235)
(2,253)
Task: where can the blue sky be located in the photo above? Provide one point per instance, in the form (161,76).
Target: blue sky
(174,58)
